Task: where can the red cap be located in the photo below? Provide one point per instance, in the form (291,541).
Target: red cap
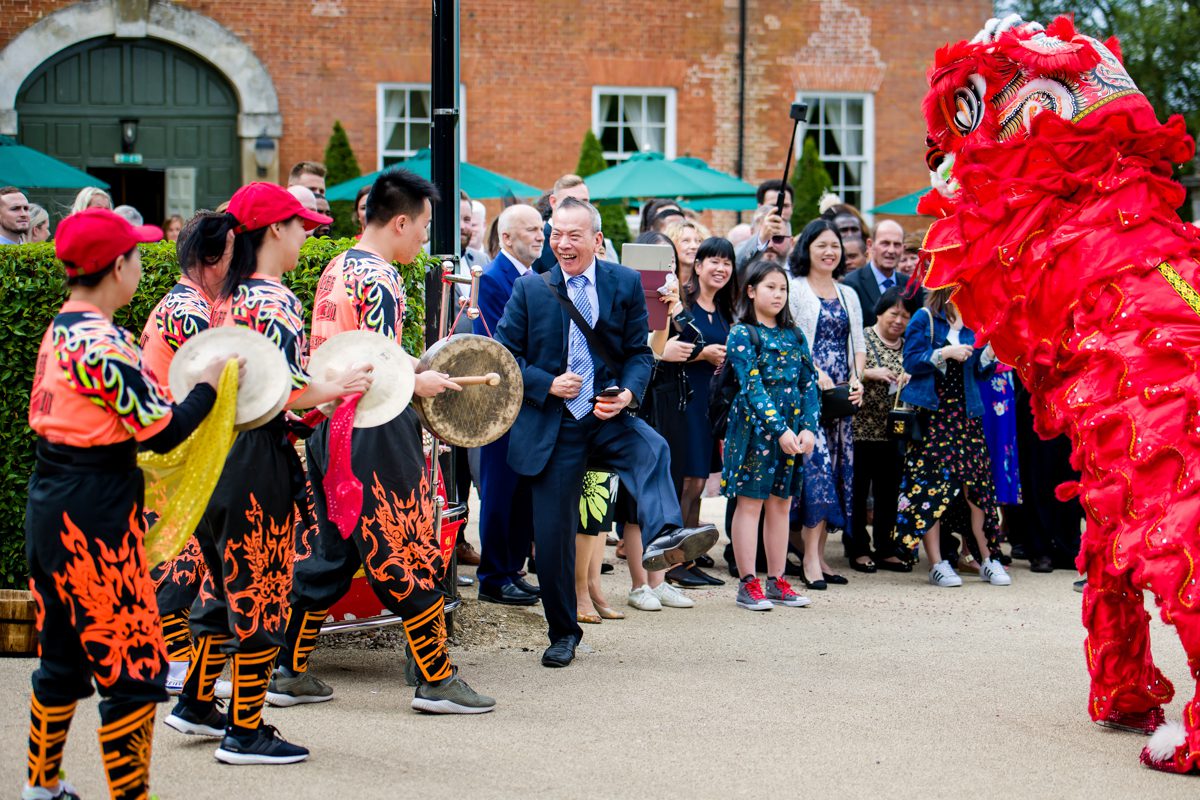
(90,240)
(259,204)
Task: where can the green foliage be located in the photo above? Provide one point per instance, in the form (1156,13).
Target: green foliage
(341,166)
(612,215)
(31,291)
(809,181)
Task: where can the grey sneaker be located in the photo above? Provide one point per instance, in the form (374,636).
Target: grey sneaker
(286,689)
(750,596)
(451,696)
(185,719)
(781,593)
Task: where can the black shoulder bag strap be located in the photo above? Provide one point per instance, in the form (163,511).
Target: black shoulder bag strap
(594,341)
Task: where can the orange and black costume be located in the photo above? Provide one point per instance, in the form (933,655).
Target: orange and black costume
(91,406)
(393,541)
(246,534)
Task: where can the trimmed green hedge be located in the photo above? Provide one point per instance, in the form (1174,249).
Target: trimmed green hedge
(31,291)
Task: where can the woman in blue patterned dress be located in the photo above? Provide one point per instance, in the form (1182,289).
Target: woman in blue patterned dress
(772,425)
(830,317)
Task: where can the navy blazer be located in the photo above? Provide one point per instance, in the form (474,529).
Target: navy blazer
(495,287)
(535,328)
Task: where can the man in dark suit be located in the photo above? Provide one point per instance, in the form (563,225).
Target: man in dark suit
(567,186)
(505,509)
(565,421)
(886,248)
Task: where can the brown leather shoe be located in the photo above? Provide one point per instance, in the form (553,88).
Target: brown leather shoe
(466,554)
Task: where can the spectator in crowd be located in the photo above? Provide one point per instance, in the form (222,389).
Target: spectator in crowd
(478,225)
(310,175)
(130,214)
(650,209)
(596,510)
(491,240)
(771,223)
(91,197)
(39,223)
(878,461)
(848,219)
(686,238)
(855,249)
(997,395)
(559,427)
(951,458)
(360,207)
(323,231)
(738,234)
(567,186)
(305,195)
(663,408)
(879,275)
(667,218)
(912,253)
(14,216)
(829,316)
(171,226)
(772,426)
(505,506)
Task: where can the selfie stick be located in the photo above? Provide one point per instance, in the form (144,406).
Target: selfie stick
(798,113)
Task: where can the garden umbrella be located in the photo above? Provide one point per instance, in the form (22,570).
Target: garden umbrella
(479,183)
(901,206)
(29,169)
(653,175)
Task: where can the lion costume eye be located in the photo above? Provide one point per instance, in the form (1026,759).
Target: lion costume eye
(968,106)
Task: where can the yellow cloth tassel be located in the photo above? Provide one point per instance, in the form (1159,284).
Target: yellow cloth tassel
(187,476)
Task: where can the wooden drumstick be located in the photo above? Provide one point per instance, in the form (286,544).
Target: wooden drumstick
(490,379)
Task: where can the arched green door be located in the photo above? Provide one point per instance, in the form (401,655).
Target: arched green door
(72,105)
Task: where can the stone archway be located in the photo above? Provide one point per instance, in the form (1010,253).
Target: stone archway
(258,103)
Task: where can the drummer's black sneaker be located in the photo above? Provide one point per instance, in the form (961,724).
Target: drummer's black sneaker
(264,746)
(451,696)
(287,689)
(185,719)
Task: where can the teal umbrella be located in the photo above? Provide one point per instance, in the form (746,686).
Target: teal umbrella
(901,206)
(653,175)
(479,183)
(29,169)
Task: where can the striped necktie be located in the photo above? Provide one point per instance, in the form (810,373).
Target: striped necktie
(579,357)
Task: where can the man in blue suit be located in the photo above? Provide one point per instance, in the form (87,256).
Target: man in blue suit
(578,409)
(505,509)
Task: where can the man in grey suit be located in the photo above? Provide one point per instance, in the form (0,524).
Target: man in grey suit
(885,248)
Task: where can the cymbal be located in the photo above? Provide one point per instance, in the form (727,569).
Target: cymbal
(394,379)
(266,378)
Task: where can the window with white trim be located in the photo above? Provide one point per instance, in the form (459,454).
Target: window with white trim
(404,114)
(631,119)
(843,127)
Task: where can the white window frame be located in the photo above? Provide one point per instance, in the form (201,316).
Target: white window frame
(381,125)
(868,157)
(637,91)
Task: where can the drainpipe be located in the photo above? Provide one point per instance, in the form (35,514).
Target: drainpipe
(741,139)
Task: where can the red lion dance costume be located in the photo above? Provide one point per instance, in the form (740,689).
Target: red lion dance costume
(1058,226)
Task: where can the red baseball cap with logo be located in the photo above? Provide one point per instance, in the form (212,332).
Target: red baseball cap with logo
(259,204)
(90,240)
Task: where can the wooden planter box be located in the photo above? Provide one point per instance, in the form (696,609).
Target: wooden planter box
(18,628)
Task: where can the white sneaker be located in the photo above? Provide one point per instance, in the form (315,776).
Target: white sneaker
(176,674)
(671,597)
(41,793)
(994,573)
(223,690)
(944,575)
(643,598)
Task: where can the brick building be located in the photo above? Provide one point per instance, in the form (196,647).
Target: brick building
(217,93)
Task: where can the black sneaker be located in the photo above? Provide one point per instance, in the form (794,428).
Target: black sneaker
(186,720)
(264,746)
(64,791)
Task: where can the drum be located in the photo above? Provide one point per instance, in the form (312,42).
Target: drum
(264,390)
(490,398)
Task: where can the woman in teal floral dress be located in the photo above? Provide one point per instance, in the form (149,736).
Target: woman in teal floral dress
(772,426)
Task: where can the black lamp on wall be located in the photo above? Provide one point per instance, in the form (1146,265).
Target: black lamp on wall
(264,154)
(129,132)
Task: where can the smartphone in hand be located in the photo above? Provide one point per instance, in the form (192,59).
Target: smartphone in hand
(611,391)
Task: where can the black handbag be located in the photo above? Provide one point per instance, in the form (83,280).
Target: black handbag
(835,402)
(903,422)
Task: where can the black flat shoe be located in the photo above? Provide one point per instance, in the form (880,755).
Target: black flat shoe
(868,568)
(893,566)
(835,580)
(682,576)
(711,580)
(606,568)
(705,561)
(816,586)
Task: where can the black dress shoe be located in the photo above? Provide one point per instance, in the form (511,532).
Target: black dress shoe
(893,566)
(682,576)
(834,580)
(711,580)
(527,587)
(678,546)
(606,568)
(1018,552)
(561,653)
(507,595)
(1041,564)
(816,586)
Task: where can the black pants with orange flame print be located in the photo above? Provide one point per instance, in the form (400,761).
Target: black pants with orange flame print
(96,615)
(247,539)
(393,544)
(177,584)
